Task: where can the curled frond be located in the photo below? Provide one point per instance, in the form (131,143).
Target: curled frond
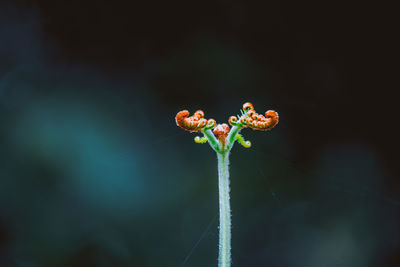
(233,120)
(241,141)
(273,116)
(247,106)
(210,124)
(200,140)
(194,123)
(252,119)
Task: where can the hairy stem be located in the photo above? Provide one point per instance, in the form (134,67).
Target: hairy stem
(224,258)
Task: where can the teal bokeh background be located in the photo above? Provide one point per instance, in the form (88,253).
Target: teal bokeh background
(94,171)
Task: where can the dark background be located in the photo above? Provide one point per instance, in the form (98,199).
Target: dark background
(94,171)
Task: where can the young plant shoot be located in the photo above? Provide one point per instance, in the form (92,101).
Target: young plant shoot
(222,139)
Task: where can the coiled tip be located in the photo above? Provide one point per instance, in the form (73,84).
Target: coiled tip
(233,120)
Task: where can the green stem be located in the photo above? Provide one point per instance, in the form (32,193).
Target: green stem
(232,136)
(224,258)
(212,140)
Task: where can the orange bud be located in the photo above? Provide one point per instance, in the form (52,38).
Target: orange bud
(221,132)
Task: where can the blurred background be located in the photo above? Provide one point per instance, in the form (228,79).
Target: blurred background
(94,171)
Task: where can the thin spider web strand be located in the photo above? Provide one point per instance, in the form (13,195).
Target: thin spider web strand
(198,241)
